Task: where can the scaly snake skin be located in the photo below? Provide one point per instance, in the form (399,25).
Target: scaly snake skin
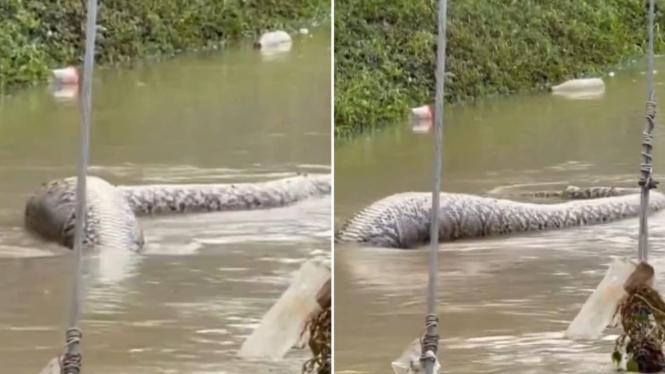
(111,210)
(403,220)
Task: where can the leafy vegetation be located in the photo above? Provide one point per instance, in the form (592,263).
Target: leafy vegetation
(38,35)
(320,329)
(385,50)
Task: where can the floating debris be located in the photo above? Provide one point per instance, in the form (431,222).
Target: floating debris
(421,119)
(580,89)
(579,85)
(599,310)
(274,44)
(53,367)
(425,112)
(63,83)
(68,75)
(303,31)
(272,39)
(285,323)
(409,361)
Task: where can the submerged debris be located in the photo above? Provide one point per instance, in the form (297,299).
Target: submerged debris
(640,347)
(319,343)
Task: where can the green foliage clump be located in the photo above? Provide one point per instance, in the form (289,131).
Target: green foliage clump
(320,329)
(37,35)
(385,50)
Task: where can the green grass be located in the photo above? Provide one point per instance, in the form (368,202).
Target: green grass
(385,50)
(36,36)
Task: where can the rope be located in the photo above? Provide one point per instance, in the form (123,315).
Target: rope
(646,182)
(430,342)
(71,363)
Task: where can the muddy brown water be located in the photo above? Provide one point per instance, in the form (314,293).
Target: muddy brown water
(204,281)
(504,302)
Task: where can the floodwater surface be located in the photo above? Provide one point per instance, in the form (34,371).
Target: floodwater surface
(503,302)
(204,281)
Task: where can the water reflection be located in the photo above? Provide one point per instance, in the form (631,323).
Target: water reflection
(276,51)
(64,92)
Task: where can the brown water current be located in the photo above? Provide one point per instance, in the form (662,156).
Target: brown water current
(503,303)
(204,281)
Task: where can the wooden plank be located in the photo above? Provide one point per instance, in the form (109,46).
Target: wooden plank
(324,296)
(600,308)
(283,326)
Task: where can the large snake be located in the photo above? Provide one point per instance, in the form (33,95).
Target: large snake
(403,220)
(111,211)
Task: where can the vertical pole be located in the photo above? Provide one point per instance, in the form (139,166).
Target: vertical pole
(431,340)
(72,359)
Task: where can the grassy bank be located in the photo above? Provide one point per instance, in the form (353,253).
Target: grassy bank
(38,35)
(385,51)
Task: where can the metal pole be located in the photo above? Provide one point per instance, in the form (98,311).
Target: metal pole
(645,167)
(73,353)
(431,341)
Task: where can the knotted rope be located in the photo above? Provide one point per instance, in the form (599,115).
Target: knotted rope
(71,363)
(646,181)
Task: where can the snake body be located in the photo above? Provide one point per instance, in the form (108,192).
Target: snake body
(111,211)
(403,220)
